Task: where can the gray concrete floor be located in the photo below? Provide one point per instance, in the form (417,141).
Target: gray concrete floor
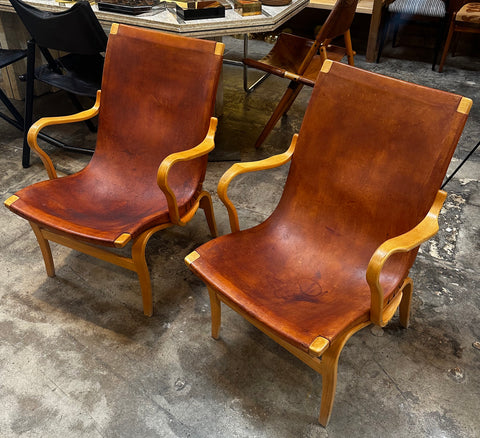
(79,359)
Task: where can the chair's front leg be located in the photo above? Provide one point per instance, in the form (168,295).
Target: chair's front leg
(329,383)
(141,268)
(216,309)
(45,248)
(328,367)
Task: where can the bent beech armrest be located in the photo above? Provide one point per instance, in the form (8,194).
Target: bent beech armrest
(203,148)
(60,120)
(426,229)
(239,168)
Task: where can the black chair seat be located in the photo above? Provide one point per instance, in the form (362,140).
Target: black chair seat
(77,74)
(8,57)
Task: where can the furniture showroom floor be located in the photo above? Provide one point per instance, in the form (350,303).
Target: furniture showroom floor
(79,359)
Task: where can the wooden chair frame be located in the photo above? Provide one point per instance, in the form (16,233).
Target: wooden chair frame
(455,26)
(298,81)
(137,261)
(322,355)
(321,46)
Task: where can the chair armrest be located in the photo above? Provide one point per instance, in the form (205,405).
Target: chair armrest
(48,121)
(426,229)
(203,148)
(239,168)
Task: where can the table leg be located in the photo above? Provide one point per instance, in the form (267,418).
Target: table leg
(373,32)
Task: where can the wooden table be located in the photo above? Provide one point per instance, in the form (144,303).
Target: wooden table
(14,35)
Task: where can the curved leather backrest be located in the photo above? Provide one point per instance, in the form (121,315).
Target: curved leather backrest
(75,30)
(371,155)
(158,94)
(338,21)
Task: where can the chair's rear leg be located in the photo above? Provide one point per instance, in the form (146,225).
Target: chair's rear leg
(282,107)
(45,248)
(289,104)
(207,206)
(404,308)
(140,262)
(446,47)
(216,310)
(349,47)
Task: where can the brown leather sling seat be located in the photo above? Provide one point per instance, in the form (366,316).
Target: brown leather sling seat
(152,114)
(365,172)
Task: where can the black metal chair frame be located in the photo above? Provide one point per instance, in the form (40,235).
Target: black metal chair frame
(8,57)
(447,180)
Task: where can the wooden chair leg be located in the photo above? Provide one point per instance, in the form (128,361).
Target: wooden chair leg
(141,268)
(207,206)
(329,385)
(454,45)
(328,367)
(384,25)
(216,309)
(289,104)
(349,47)
(283,106)
(45,248)
(404,308)
(447,46)
(329,364)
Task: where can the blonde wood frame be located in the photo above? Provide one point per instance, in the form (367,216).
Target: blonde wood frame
(206,146)
(239,168)
(137,261)
(323,355)
(380,313)
(325,362)
(49,121)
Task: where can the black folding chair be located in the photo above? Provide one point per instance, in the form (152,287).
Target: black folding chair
(8,57)
(76,31)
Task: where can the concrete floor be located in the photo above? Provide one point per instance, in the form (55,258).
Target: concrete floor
(79,359)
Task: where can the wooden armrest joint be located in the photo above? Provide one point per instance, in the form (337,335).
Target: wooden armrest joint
(190,258)
(239,168)
(380,313)
(49,121)
(203,148)
(318,346)
(8,202)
